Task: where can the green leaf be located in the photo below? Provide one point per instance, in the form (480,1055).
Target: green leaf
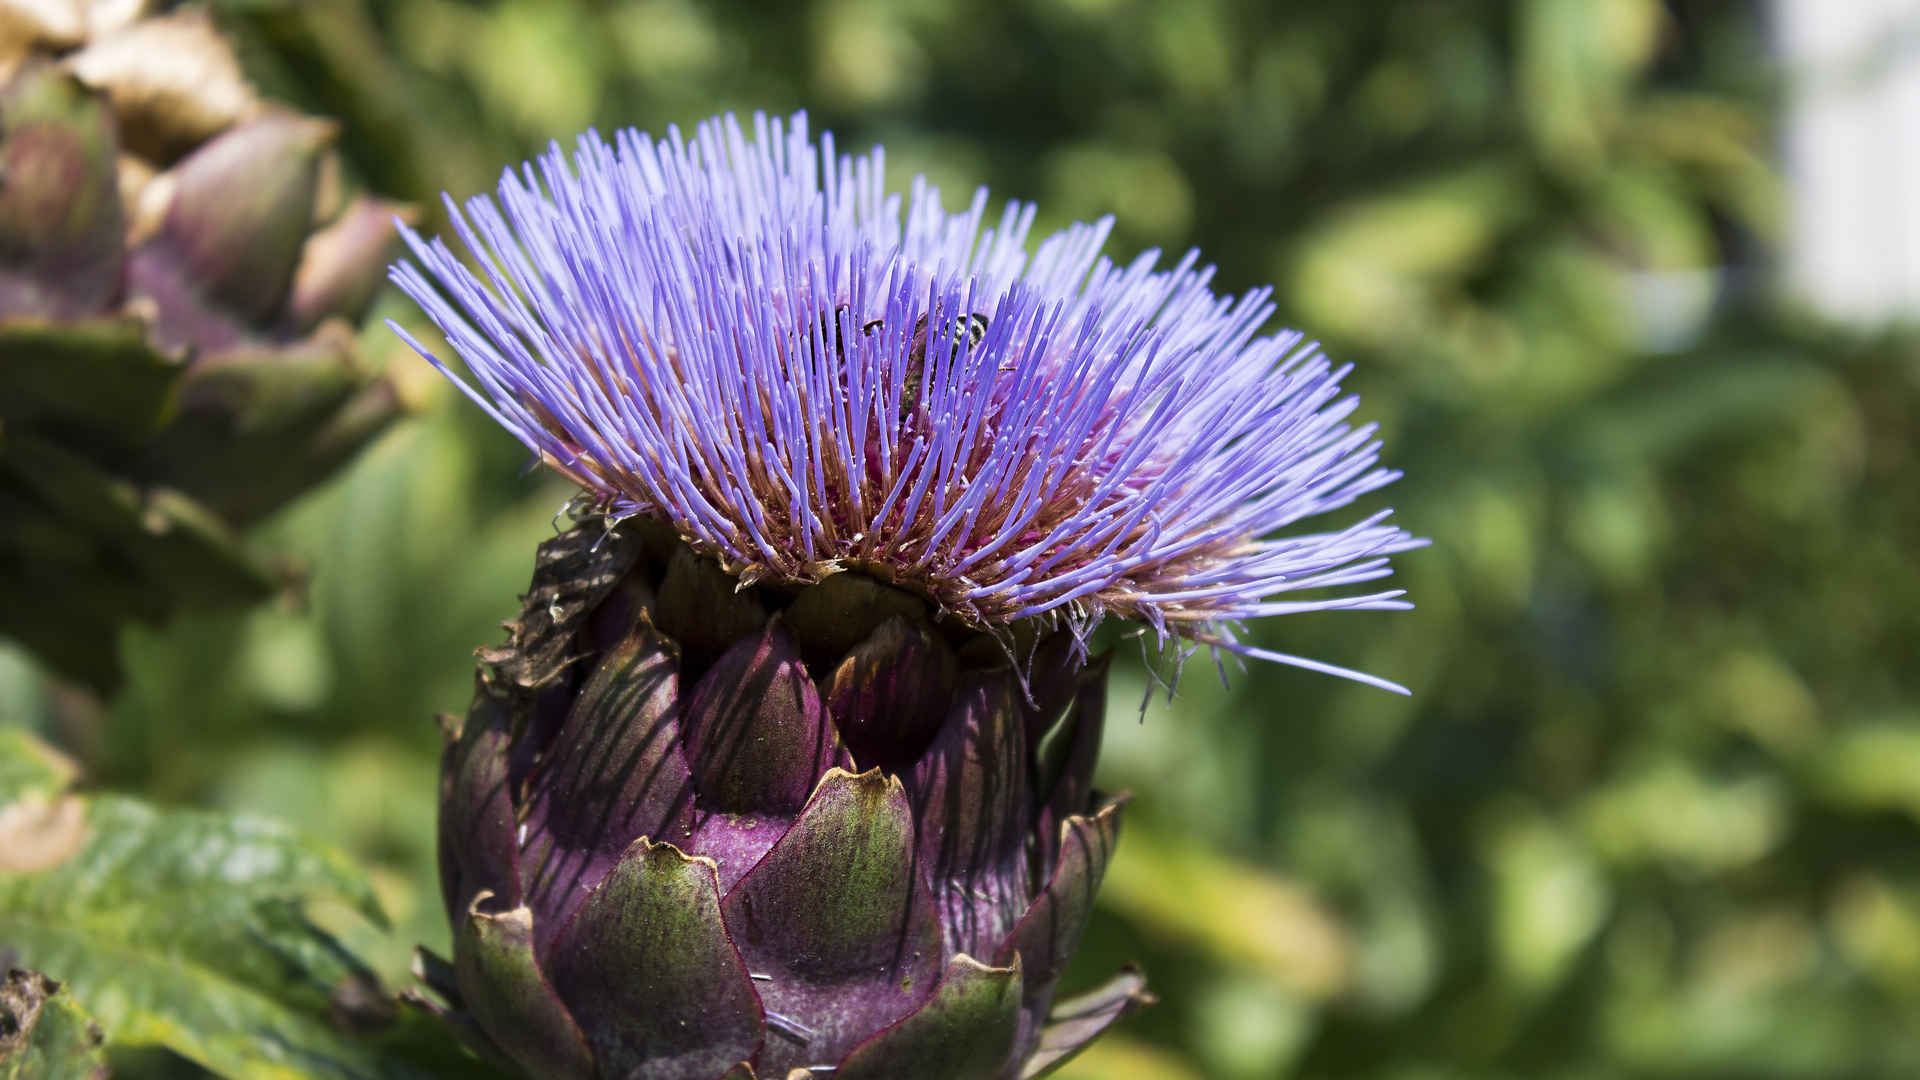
(30,768)
(163,534)
(1578,59)
(258,425)
(188,930)
(102,377)
(43,1033)
(111,551)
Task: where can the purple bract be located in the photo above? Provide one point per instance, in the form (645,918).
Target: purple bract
(757,343)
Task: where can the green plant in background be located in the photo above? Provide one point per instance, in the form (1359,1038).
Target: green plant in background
(1651,811)
(179,268)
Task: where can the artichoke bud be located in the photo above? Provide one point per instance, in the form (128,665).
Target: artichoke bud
(695,830)
(174,313)
(240,210)
(60,220)
(344,263)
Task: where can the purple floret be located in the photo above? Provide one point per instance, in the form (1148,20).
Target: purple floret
(803,373)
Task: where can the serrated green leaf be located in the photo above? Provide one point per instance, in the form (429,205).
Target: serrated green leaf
(44,1034)
(187,930)
(178,928)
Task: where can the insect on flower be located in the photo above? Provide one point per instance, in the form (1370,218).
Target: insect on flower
(966,334)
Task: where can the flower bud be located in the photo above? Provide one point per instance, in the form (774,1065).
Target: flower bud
(240,211)
(60,220)
(343,264)
(686,875)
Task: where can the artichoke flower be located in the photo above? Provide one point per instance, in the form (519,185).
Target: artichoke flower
(786,767)
(180,272)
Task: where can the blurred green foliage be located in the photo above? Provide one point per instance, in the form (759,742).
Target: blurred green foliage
(184,935)
(1654,808)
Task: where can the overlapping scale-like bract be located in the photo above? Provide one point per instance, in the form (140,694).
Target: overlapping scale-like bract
(754,341)
(847,842)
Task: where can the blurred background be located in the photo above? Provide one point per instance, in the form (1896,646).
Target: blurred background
(1623,283)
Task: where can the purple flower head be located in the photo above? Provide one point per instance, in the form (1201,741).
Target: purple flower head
(753,340)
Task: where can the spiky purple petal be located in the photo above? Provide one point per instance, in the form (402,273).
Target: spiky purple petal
(753,340)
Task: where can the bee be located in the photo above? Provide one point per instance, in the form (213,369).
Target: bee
(973,325)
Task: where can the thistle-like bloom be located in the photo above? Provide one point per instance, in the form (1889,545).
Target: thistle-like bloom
(751,341)
(787,762)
